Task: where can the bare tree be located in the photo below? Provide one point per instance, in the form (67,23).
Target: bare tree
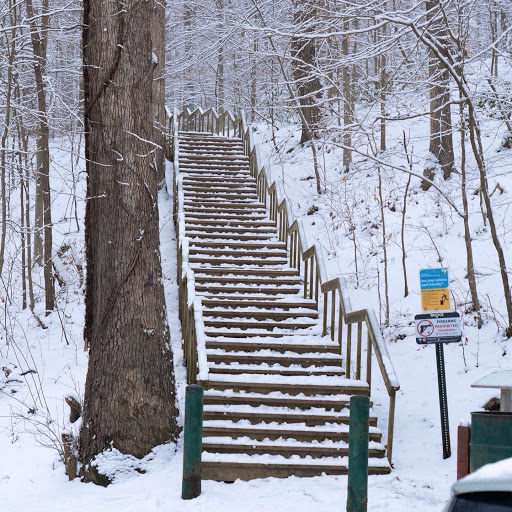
(303,55)
(43,200)
(441,139)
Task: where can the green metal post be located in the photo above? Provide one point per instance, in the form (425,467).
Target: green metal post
(191,487)
(357,495)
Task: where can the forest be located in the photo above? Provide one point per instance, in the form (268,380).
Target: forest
(385,128)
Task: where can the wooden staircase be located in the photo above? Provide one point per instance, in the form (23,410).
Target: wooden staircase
(277,398)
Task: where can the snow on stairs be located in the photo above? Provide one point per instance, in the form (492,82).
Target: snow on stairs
(277,403)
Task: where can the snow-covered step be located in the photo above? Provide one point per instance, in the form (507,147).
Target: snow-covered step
(275,315)
(285,448)
(212,179)
(273,415)
(264,368)
(244,323)
(277,399)
(254,301)
(231,230)
(256,272)
(216,199)
(221,206)
(256,280)
(242,252)
(272,357)
(219,188)
(248,262)
(273,431)
(240,222)
(263,340)
(239,210)
(239,158)
(294,385)
(226,194)
(222,168)
(230,467)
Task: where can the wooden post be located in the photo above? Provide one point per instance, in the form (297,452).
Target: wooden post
(349,351)
(391,426)
(333,313)
(324,329)
(191,485)
(305,279)
(357,494)
(463,439)
(359,349)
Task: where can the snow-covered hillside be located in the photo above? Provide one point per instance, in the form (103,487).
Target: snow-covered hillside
(40,367)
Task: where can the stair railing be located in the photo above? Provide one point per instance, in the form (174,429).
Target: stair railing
(339,318)
(190,305)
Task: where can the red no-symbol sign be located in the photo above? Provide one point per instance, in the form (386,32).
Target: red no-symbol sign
(425,328)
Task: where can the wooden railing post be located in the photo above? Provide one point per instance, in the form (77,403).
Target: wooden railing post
(324,329)
(349,350)
(359,349)
(391,425)
(369,363)
(333,313)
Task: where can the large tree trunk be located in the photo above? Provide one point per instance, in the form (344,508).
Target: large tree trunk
(441,139)
(129,401)
(303,54)
(158,42)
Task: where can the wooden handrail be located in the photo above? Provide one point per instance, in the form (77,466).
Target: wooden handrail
(339,318)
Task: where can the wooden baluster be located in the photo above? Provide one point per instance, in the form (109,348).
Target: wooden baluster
(369,363)
(317,282)
(291,251)
(311,283)
(359,349)
(333,313)
(305,279)
(349,350)
(324,329)
(340,327)
(299,252)
(285,228)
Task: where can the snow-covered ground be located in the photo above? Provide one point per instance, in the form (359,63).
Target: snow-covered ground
(33,413)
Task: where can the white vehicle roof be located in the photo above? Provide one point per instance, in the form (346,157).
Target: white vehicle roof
(496,477)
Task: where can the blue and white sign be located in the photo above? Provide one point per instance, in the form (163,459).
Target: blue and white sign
(432,278)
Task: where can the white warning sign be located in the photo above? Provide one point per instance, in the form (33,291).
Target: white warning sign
(438,328)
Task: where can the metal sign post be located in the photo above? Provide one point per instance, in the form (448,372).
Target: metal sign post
(443,401)
(438,329)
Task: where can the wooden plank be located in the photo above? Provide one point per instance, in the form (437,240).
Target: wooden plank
(463,440)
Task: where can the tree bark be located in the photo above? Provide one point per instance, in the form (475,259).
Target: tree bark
(129,401)
(158,42)
(303,64)
(441,139)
